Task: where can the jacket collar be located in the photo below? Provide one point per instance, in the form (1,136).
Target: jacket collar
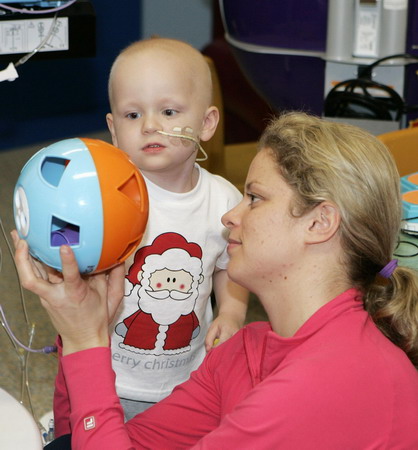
(266,350)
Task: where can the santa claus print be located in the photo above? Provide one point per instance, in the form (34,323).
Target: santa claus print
(165,277)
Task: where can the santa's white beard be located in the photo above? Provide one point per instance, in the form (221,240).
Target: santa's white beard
(165,311)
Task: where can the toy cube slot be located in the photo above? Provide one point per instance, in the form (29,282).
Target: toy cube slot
(128,250)
(64,233)
(131,189)
(53,168)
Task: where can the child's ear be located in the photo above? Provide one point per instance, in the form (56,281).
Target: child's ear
(210,122)
(323,223)
(109,120)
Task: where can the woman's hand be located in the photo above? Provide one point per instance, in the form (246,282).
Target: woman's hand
(80,307)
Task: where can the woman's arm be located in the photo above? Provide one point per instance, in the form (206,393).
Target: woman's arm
(179,421)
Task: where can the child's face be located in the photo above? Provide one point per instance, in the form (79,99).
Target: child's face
(154,91)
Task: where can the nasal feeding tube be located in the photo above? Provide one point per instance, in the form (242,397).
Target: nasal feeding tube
(181,133)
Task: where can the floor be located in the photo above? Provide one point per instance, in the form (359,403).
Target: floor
(30,377)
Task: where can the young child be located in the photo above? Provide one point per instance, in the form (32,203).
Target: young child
(161,89)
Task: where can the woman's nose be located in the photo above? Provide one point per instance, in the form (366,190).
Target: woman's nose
(232,217)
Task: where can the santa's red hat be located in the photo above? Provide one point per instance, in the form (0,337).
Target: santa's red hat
(162,243)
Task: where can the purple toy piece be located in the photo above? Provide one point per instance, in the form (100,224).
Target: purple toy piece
(65,236)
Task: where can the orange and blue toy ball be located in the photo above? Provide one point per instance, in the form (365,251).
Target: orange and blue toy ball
(84,193)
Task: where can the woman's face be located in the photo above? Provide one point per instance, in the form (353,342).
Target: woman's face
(265,241)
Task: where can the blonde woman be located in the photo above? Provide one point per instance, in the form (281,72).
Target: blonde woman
(336,365)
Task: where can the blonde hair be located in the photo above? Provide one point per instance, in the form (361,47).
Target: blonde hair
(194,61)
(323,160)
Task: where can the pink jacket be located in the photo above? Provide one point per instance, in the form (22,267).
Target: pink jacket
(337,383)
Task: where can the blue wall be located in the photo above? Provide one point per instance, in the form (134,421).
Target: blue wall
(55,99)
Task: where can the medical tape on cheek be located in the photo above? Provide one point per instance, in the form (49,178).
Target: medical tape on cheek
(181,134)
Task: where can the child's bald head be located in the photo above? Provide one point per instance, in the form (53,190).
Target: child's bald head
(191,64)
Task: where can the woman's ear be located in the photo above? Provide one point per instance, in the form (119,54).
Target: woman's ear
(210,122)
(109,120)
(323,222)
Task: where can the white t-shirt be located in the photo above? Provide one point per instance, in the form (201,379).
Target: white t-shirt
(163,320)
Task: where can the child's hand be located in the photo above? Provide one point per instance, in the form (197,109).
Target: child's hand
(221,329)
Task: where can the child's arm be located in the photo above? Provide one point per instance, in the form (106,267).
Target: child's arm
(232,301)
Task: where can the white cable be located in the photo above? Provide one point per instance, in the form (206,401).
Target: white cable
(40,45)
(188,138)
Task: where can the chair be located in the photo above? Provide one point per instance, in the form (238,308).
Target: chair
(403,144)
(230,161)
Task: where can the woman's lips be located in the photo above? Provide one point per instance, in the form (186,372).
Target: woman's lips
(232,243)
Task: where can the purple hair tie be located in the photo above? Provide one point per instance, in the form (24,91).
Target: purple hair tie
(387,271)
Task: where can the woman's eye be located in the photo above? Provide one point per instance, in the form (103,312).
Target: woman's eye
(253,198)
(133,115)
(170,112)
